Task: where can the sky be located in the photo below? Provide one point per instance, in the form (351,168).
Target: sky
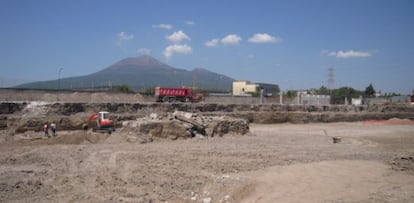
(291,43)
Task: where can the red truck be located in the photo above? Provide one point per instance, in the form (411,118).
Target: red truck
(172,94)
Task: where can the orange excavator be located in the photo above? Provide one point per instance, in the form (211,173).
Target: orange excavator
(103,123)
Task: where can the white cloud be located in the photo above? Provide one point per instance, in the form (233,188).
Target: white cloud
(349,54)
(163,26)
(176,49)
(264,38)
(212,43)
(251,56)
(144,51)
(178,36)
(190,22)
(231,39)
(123,37)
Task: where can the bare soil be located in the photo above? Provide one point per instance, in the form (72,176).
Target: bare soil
(276,163)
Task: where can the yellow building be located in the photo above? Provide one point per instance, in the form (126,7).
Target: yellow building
(243,88)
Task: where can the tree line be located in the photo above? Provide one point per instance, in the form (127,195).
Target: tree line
(339,95)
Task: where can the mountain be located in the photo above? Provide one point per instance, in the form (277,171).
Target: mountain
(139,73)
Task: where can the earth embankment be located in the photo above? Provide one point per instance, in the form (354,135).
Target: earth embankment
(31,115)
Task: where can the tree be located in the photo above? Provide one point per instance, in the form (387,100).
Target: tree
(123,88)
(148,91)
(322,90)
(338,95)
(370,91)
(291,93)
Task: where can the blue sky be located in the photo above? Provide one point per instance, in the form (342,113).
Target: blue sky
(290,43)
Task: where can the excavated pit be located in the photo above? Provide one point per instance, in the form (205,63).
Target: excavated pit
(22,123)
(203,153)
(145,122)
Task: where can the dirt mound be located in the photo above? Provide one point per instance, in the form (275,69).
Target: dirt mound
(392,121)
(182,125)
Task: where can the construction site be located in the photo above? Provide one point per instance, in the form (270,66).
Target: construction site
(129,148)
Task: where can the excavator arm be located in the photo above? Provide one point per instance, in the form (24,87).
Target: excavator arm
(91,118)
(103,123)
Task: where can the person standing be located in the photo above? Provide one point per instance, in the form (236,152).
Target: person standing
(46,129)
(53,128)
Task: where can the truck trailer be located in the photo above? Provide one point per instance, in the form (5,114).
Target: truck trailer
(173,94)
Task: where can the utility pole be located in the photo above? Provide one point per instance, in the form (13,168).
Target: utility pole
(331,79)
(281,97)
(60,70)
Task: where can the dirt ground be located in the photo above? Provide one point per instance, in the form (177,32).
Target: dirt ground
(277,163)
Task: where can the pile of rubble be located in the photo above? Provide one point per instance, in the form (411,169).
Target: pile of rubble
(185,125)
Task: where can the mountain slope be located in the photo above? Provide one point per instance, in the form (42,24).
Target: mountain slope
(139,73)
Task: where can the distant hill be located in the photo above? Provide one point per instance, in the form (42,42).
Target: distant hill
(139,73)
